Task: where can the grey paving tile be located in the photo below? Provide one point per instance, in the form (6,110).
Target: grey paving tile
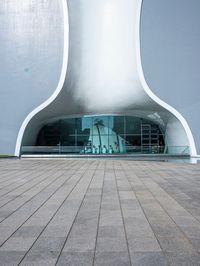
(168,194)
(4,213)
(110,231)
(111,244)
(188,220)
(44,258)
(148,259)
(196,243)
(112,259)
(10,258)
(183,259)
(136,230)
(191,231)
(57,230)
(143,244)
(17,244)
(110,218)
(28,231)
(76,259)
(48,244)
(165,230)
(80,244)
(172,244)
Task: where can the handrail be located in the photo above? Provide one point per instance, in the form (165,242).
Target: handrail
(127,149)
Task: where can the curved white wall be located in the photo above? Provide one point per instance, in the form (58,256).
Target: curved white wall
(58,88)
(104,70)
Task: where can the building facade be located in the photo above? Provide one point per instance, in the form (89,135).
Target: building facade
(74,83)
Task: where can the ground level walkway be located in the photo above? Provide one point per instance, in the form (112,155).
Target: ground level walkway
(99,212)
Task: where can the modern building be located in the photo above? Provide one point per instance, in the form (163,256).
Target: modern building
(72,82)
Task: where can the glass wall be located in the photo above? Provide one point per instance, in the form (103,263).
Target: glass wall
(99,135)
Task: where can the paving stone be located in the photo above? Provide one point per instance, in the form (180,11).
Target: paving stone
(112,259)
(76,259)
(110,231)
(185,220)
(165,230)
(80,244)
(28,231)
(191,231)
(196,243)
(36,258)
(148,259)
(135,230)
(172,244)
(143,244)
(48,244)
(111,244)
(3,214)
(141,207)
(18,244)
(10,258)
(183,259)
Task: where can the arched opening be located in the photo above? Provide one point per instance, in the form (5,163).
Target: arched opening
(101,135)
(102,74)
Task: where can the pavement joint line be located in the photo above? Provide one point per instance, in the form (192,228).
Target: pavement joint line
(170,218)
(44,179)
(81,177)
(161,204)
(24,175)
(7,175)
(32,179)
(10,180)
(127,244)
(185,208)
(37,208)
(95,246)
(142,209)
(173,199)
(81,203)
(54,180)
(38,176)
(174,176)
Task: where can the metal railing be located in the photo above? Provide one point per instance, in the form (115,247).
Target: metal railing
(129,149)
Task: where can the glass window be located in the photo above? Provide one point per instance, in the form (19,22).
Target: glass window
(68,132)
(118,125)
(84,125)
(102,134)
(100,125)
(132,125)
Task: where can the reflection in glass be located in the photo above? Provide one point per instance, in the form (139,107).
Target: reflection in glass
(102,135)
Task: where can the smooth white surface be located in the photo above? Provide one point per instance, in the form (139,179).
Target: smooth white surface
(60,83)
(110,76)
(184,123)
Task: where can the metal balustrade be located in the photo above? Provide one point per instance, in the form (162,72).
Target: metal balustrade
(152,149)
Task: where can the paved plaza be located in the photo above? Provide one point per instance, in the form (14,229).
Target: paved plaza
(99,212)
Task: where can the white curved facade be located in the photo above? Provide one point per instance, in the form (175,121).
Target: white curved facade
(102,73)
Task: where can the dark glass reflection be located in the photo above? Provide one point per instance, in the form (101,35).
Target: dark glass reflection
(102,135)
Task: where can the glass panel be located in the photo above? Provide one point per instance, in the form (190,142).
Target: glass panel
(117,125)
(67,137)
(100,125)
(99,138)
(84,144)
(102,135)
(132,125)
(49,135)
(84,125)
